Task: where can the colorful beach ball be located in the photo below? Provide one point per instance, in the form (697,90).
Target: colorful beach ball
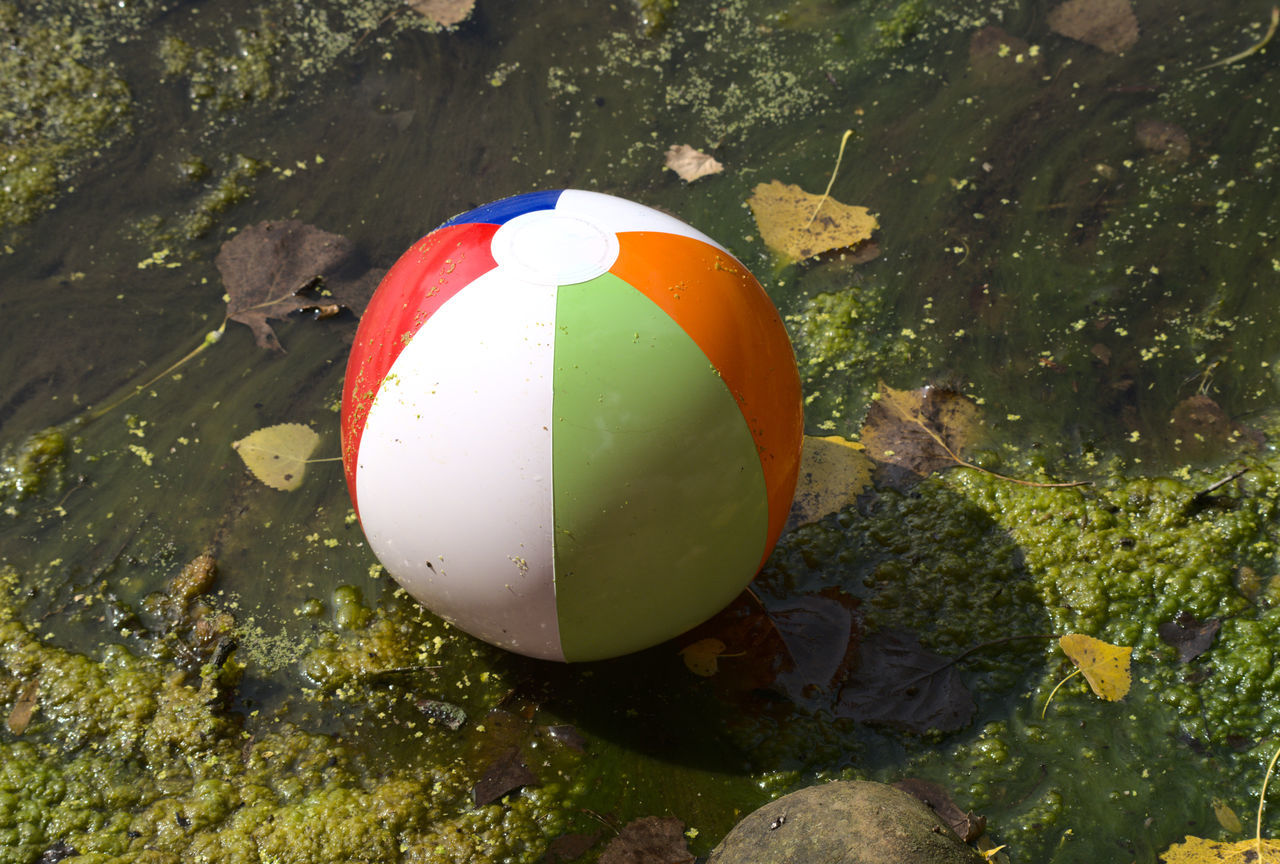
(571,424)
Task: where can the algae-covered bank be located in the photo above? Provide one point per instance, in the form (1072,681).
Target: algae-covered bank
(1050,371)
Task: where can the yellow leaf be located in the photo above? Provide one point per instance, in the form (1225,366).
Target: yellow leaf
(702,657)
(833,472)
(1105,666)
(277,455)
(1196,850)
(785,215)
(1227,817)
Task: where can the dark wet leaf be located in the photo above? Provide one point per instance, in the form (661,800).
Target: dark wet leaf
(445,713)
(1109,25)
(1190,636)
(1202,428)
(650,840)
(911,433)
(967,825)
(900,683)
(505,774)
(1167,140)
(569,847)
(273,269)
(565,734)
(820,633)
(24,707)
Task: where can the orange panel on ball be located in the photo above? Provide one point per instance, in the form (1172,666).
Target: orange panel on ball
(726,312)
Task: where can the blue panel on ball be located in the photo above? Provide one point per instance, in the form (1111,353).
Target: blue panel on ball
(500,212)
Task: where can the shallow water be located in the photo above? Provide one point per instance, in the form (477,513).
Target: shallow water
(1036,254)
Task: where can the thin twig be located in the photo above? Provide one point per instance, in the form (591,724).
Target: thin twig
(1249,52)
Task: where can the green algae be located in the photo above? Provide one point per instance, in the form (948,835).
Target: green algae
(60,103)
(127,760)
(27,466)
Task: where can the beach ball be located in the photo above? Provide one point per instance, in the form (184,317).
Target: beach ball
(571,424)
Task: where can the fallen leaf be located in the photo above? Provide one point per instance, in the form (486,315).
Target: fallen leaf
(447,714)
(821,634)
(1196,850)
(1104,666)
(570,847)
(277,455)
(900,683)
(1203,429)
(1226,817)
(703,656)
(1106,24)
(24,707)
(446,13)
(1167,140)
(799,225)
(505,774)
(968,826)
(273,269)
(833,472)
(649,840)
(1190,636)
(691,164)
(912,433)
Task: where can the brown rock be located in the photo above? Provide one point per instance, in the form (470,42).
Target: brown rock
(843,823)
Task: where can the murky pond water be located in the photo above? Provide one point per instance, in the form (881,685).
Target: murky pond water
(1080,238)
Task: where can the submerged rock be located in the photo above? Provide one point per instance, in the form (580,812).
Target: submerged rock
(843,823)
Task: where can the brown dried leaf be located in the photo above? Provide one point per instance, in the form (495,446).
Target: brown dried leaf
(691,164)
(1106,24)
(505,774)
(968,826)
(24,707)
(912,433)
(275,268)
(649,840)
(1190,636)
(785,216)
(446,13)
(1169,141)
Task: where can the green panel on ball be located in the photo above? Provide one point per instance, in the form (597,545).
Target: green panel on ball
(660,507)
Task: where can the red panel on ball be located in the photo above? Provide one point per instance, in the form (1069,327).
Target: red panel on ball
(433,270)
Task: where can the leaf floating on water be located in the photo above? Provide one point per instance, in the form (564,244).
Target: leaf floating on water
(505,774)
(277,455)
(967,825)
(446,13)
(24,707)
(1106,24)
(703,656)
(901,683)
(273,269)
(446,714)
(690,164)
(1226,817)
(833,472)
(1196,850)
(821,634)
(1190,636)
(649,840)
(1104,666)
(912,433)
(785,215)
